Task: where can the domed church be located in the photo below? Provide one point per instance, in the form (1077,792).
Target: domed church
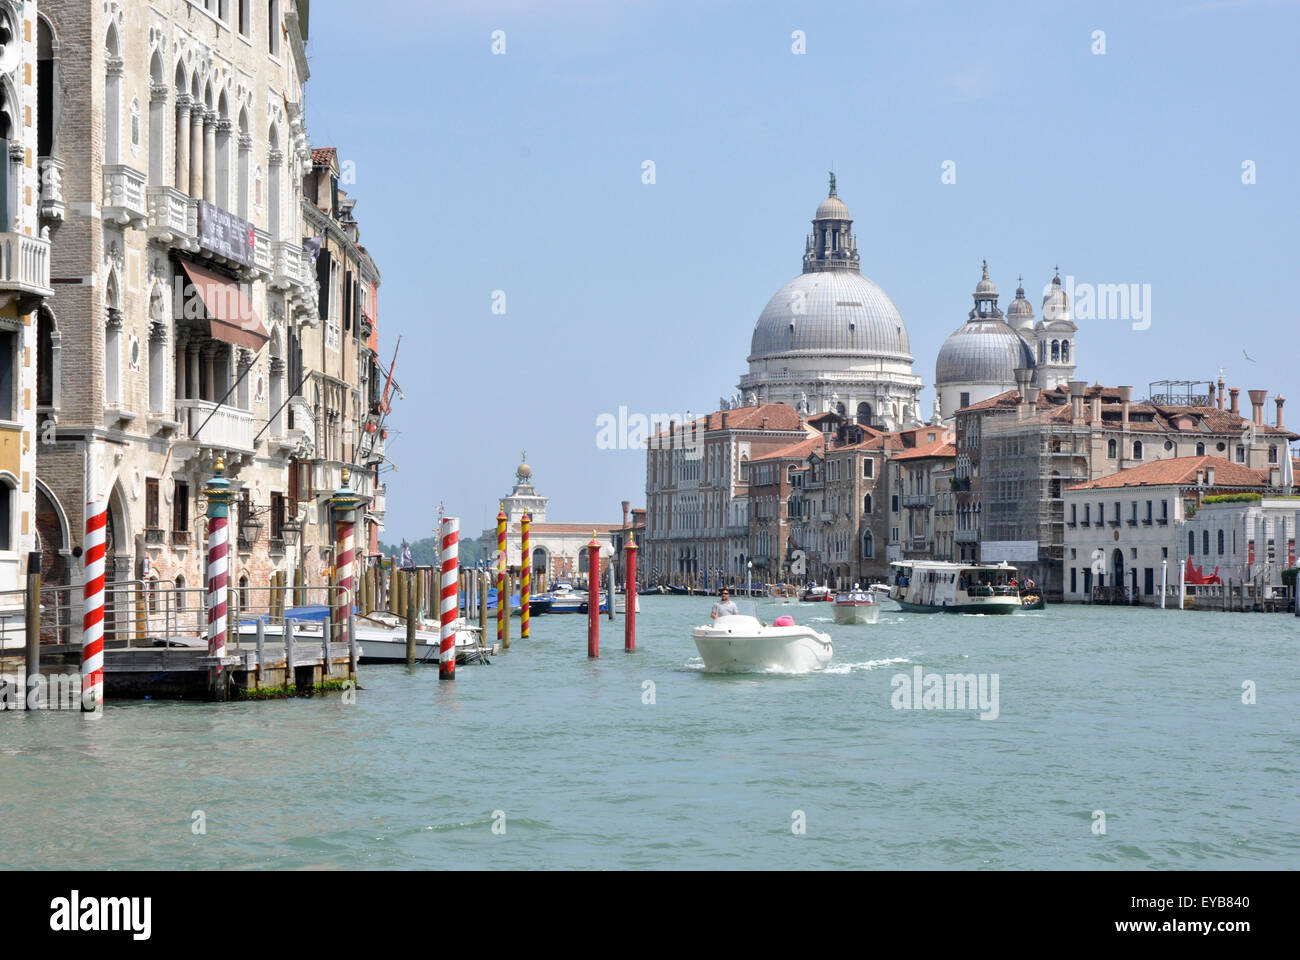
(981,357)
(831,340)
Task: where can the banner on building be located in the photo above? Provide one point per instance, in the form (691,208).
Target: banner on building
(1011,551)
(225,234)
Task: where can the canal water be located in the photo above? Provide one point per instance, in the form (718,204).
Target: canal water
(1131,719)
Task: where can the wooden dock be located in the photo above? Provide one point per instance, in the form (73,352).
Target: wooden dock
(182,670)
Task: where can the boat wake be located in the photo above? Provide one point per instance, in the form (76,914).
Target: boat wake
(696,665)
(842,668)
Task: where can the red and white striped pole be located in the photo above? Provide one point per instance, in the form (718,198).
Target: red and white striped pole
(92,628)
(629,614)
(344,504)
(449,603)
(218,494)
(593,597)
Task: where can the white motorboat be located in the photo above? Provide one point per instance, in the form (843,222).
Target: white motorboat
(382,639)
(565,598)
(741,643)
(856,606)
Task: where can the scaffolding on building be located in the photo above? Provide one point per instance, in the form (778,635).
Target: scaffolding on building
(1026,464)
(1181,393)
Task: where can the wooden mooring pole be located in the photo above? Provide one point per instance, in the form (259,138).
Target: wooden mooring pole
(593,597)
(410,628)
(33,614)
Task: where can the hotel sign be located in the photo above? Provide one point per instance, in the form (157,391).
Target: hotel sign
(225,235)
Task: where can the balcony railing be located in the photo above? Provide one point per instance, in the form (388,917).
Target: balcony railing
(263,258)
(965,536)
(203,422)
(25,264)
(180,538)
(124,195)
(173,218)
(286,264)
(155,536)
(916,499)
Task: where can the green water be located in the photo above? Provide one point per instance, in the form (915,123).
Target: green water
(1136,713)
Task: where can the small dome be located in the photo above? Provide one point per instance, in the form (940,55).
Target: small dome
(982,351)
(832,208)
(1020,310)
(986,287)
(1056,305)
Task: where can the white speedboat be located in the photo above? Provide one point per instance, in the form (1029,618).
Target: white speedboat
(565,598)
(856,606)
(740,643)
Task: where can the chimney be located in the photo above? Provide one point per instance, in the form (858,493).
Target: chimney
(1031,399)
(1125,398)
(1233,392)
(1096,410)
(724,419)
(1274,477)
(1076,399)
(1209,476)
(1280,422)
(764,421)
(1257,398)
(1222,396)
(1200,478)
(627,505)
(1023,377)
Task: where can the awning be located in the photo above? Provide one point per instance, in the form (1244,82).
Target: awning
(228,314)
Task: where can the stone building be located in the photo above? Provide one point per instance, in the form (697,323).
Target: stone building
(176,153)
(1017,452)
(559,549)
(24,287)
(772,479)
(697,491)
(831,339)
(333,413)
(918,472)
(1126,531)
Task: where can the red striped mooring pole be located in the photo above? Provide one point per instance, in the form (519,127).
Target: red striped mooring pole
(344,503)
(218,494)
(92,629)
(629,613)
(593,597)
(449,598)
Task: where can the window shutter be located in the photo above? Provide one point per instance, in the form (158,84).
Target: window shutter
(323,283)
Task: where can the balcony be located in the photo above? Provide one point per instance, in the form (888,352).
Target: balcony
(262,255)
(379,505)
(827,517)
(965,536)
(124,195)
(180,538)
(916,499)
(300,435)
(52,206)
(173,218)
(155,537)
(25,265)
(287,268)
(221,428)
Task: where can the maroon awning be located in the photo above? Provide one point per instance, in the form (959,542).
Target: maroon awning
(228,312)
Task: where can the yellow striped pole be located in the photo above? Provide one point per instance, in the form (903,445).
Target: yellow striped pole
(503,594)
(526,578)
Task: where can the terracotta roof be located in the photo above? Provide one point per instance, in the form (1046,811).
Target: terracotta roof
(324,156)
(1008,399)
(1180,471)
(794,451)
(779,417)
(940,448)
(600,528)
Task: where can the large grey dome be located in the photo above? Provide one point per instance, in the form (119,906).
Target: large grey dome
(982,351)
(831,312)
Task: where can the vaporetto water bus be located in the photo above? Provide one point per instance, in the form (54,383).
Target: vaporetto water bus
(935,586)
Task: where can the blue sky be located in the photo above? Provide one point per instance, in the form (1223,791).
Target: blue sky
(522,173)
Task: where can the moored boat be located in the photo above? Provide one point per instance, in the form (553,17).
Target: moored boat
(936,586)
(1033,601)
(741,643)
